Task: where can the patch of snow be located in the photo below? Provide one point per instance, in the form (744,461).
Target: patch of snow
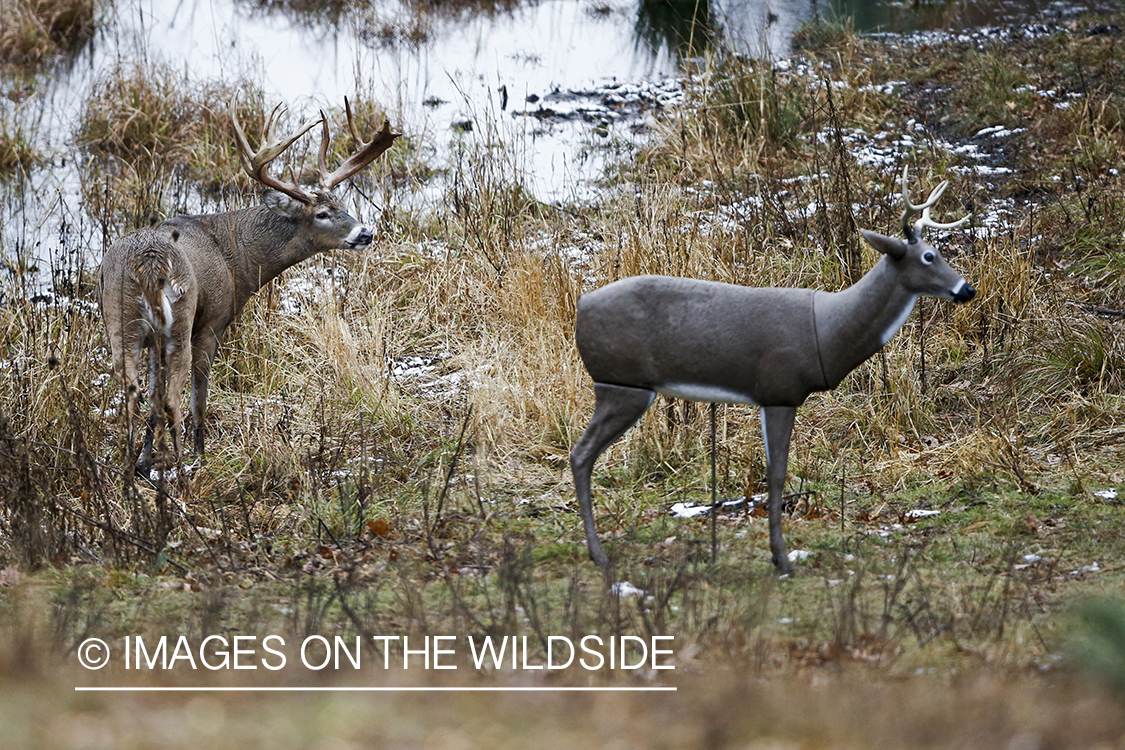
(689,510)
(171,475)
(998,131)
(1091,568)
(624,588)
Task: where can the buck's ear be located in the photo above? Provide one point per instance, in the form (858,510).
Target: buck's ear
(891,246)
(283,204)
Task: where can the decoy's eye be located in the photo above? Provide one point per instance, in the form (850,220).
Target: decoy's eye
(928,257)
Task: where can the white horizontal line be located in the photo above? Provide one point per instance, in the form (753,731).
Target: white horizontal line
(148,689)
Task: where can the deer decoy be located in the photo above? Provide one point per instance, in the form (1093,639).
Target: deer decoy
(715,342)
(175,287)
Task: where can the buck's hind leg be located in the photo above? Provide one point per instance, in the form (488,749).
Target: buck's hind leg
(166,386)
(204,345)
(179,369)
(146,459)
(125,365)
(616,409)
(777,428)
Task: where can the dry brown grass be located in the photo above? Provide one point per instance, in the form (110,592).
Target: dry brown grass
(157,143)
(34,30)
(17,152)
(449,507)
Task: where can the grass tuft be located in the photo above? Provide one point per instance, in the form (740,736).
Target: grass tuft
(32,31)
(17,151)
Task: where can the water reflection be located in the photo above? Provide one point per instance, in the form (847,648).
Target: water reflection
(761,28)
(684,26)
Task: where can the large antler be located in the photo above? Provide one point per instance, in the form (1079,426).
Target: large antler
(364,155)
(256,163)
(912,232)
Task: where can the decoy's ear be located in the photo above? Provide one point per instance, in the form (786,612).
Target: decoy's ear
(891,246)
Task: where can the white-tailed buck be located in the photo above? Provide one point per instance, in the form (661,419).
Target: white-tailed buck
(707,341)
(175,287)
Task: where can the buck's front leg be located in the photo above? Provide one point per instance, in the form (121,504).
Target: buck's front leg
(616,409)
(777,428)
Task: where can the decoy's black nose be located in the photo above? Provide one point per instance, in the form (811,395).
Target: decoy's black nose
(964,293)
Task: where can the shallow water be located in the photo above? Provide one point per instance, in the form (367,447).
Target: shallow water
(555,80)
(434,75)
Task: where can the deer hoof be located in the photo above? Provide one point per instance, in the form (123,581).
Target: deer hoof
(784,568)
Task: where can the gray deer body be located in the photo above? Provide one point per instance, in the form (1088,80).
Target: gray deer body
(173,289)
(708,341)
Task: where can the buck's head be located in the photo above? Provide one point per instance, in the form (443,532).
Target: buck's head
(325,220)
(922,269)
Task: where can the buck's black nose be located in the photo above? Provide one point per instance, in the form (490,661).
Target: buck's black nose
(363,239)
(964,293)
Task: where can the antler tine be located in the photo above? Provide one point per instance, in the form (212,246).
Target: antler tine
(935,195)
(366,153)
(274,116)
(322,157)
(926,221)
(256,163)
(909,209)
(351,127)
(913,231)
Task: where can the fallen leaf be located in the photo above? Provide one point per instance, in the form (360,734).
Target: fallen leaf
(380,527)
